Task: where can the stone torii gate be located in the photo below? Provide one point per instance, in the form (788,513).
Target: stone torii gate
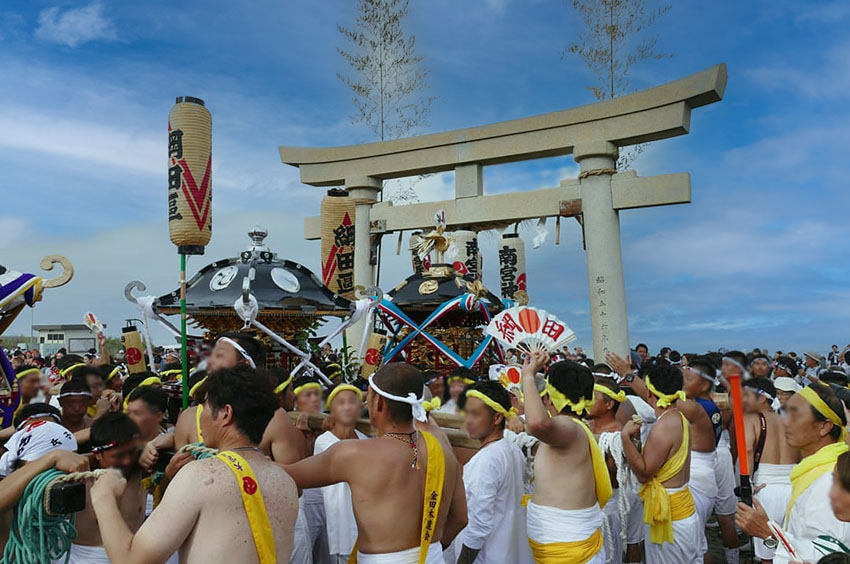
(591,133)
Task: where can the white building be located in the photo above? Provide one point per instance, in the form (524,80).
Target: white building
(73,337)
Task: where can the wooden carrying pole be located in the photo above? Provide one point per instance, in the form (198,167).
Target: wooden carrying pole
(458,438)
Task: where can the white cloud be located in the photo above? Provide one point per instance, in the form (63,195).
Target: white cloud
(497,6)
(827,78)
(75,26)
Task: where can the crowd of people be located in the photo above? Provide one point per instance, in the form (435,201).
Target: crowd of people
(614,460)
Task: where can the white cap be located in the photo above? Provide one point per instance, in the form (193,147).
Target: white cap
(786,384)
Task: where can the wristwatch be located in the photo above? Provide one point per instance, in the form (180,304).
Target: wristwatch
(630,377)
(770,543)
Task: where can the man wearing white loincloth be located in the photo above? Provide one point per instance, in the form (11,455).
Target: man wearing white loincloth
(564,514)
(672,526)
(772,458)
(634,405)
(493,480)
(699,378)
(405,484)
(607,397)
(345,403)
(237,506)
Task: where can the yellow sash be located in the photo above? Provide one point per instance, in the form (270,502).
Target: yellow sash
(811,468)
(435,477)
(255,508)
(91,411)
(198,423)
(657,502)
(600,470)
(577,552)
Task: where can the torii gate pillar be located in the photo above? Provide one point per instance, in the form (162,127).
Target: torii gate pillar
(601,223)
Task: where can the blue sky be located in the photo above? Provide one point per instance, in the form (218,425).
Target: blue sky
(759,258)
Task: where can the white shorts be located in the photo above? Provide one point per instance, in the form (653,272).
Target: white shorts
(726,503)
(774,498)
(685,546)
(613,540)
(547,525)
(634,521)
(302,551)
(80,554)
(703,487)
(409,556)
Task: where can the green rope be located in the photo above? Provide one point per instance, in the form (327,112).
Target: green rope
(35,536)
(199,451)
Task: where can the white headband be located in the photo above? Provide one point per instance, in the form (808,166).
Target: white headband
(239,349)
(414,402)
(69,394)
(774,402)
(744,374)
(701,374)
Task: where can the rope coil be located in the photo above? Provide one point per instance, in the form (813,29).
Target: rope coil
(596,172)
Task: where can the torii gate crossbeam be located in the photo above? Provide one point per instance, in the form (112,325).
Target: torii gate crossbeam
(591,133)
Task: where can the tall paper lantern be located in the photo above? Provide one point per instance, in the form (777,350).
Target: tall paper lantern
(131,339)
(420,265)
(189,175)
(512,267)
(468,260)
(338,211)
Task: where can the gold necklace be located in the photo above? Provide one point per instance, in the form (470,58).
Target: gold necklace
(410,440)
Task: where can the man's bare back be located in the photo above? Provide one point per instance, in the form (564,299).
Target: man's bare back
(282,442)
(664,440)
(203,505)
(387,493)
(557,471)
(776,448)
(186,429)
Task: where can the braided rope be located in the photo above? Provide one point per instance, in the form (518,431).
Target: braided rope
(67,478)
(612,443)
(596,172)
(199,451)
(35,535)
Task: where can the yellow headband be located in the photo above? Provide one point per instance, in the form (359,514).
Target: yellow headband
(307,386)
(67,370)
(492,404)
(149,381)
(461,378)
(560,401)
(618,397)
(196,387)
(664,399)
(282,386)
(26,372)
(172,371)
(112,374)
(821,407)
(432,404)
(343,388)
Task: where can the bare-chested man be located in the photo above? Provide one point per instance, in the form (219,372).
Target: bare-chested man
(772,458)
(393,476)
(564,508)
(230,349)
(204,513)
(673,528)
(115,444)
